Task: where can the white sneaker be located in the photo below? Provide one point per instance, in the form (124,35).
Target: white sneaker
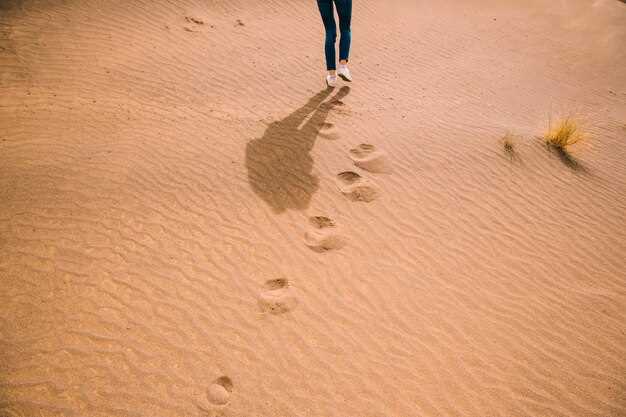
(344,73)
(331,81)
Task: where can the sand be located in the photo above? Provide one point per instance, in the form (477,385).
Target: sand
(190,225)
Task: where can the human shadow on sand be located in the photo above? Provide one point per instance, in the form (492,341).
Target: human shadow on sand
(279,164)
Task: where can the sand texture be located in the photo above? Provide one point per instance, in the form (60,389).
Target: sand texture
(192,225)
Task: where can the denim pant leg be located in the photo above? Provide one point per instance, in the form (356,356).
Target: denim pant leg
(344,10)
(328,17)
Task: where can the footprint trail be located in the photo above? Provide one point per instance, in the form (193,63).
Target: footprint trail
(356,188)
(279,297)
(370,158)
(322,235)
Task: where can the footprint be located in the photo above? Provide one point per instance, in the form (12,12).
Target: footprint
(321,222)
(279,297)
(322,237)
(369,158)
(356,188)
(219,391)
(329,131)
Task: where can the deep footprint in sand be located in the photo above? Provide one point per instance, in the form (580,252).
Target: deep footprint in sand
(279,297)
(220,390)
(356,188)
(329,131)
(323,235)
(369,158)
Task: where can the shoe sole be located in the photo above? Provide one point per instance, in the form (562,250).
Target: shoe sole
(343,77)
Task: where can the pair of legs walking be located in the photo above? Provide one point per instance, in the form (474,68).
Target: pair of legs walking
(344,11)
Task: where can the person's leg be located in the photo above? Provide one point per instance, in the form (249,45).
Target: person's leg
(344,10)
(328,17)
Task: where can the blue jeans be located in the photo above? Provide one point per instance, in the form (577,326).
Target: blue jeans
(344,10)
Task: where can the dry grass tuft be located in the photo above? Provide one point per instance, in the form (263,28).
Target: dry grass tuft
(509,146)
(563,134)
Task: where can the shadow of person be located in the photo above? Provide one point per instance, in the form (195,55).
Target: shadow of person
(279,164)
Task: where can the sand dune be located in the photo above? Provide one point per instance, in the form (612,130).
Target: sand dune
(191,225)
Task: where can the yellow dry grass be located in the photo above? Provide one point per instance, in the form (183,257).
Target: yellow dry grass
(563,134)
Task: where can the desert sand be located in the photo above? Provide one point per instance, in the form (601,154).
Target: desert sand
(192,225)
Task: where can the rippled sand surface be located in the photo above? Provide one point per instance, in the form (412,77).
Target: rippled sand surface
(191,225)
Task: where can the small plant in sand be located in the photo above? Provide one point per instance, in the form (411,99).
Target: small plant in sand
(561,136)
(508,144)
